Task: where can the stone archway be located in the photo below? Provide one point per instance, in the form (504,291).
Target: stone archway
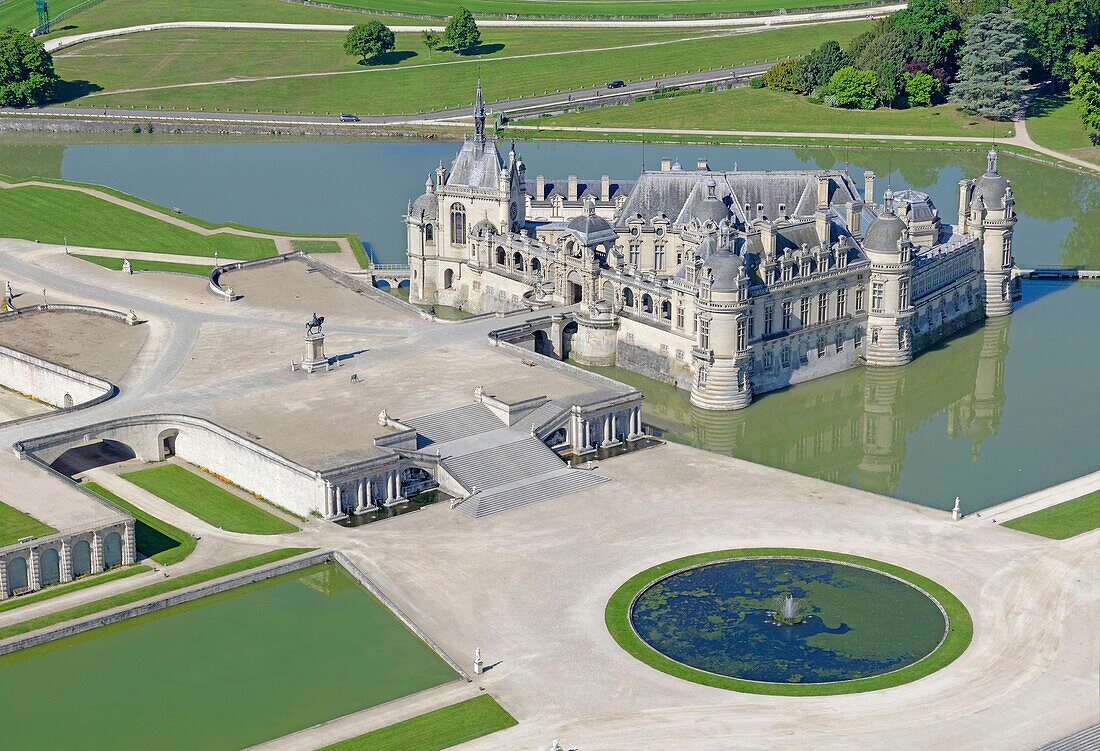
(17,574)
(49,567)
(567,335)
(543,346)
(448,279)
(166,441)
(112,550)
(82,558)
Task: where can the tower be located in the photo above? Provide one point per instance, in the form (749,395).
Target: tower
(887,245)
(722,354)
(993,216)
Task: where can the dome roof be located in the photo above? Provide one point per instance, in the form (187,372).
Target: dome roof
(592,229)
(725,267)
(992,188)
(885,230)
(711,210)
(484,227)
(426,206)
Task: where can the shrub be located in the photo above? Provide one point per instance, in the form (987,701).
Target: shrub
(785,76)
(854,88)
(136,128)
(921,89)
(757,83)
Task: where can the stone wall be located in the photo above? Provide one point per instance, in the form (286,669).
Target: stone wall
(49,382)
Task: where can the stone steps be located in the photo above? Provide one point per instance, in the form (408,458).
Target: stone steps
(532,490)
(502,464)
(1083,740)
(453,424)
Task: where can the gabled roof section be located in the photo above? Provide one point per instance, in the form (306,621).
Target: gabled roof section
(476,166)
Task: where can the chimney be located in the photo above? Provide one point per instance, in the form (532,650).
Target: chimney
(701,165)
(605,188)
(823,183)
(853,216)
(821,224)
(540,188)
(869,187)
(572,188)
(767,239)
(964,204)
(666,164)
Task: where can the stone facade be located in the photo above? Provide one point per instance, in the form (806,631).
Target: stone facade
(727,283)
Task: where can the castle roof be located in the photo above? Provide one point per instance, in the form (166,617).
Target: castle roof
(885,231)
(592,229)
(476,166)
(585,188)
(425,207)
(724,267)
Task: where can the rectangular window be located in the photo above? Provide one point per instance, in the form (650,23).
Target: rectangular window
(768,320)
(903,294)
(841,302)
(878,296)
(740,335)
(664,350)
(822,307)
(1007,245)
(679,318)
(785,357)
(635,255)
(787,315)
(704,334)
(659,258)
(752,328)
(859,300)
(804,311)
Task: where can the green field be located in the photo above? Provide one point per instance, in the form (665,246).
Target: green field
(15,525)
(513,63)
(52,215)
(1054,121)
(115,264)
(155,539)
(765,110)
(150,590)
(1062,521)
(207,501)
(436,730)
(598,8)
(21,14)
(83,582)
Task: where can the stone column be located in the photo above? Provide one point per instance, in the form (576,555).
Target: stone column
(66,561)
(614,426)
(129,544)
(389,487)
(34,574)
(3,580)
(397,482)
(97,553)
(370,493)
(587,434)
(360,496)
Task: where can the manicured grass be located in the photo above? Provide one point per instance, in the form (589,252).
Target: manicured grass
(150,590)
(1054,121)
(617,617)
(408,81)
(155,539)
(767,110)
(55,215)
(21,14)
(207,501)
(597,8)
(63,589)
(316,246)
(15,525)
(436,730)
(115,264)
(1064,520)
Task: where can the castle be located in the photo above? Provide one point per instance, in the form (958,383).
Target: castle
(727,283)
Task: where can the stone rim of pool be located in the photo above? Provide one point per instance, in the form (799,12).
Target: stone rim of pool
(958,626)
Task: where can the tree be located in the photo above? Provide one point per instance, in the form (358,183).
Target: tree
(462,33)
(936,32)
(992,74)
(921,89)
(1056,30)
(368,40)
(819,66)
(852,87)
(1086,91)
(431,41)
(784,76)
(27,77)
(888,83)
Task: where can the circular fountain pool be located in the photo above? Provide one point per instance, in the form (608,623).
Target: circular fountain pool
(719,618)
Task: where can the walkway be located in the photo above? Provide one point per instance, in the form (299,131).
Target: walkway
(1041,499)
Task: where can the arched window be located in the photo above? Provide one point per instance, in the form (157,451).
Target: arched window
(647,303)
(517,261)
(840,341)
(857,340)
(666,310)
(703,377)
(458,224)
(429,234)
(448,279)
(628,297)
(536,267)
(821,346)
(767,359)
(500,256)
(785,356)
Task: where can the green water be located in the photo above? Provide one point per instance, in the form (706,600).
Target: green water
(224,672)
(1002,410)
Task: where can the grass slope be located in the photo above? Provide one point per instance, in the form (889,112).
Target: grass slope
(63,589)
(115,264)
(155,539)
(55,216)
(150,590)
(408,81)
(21,14)
(207,501)
(1054,121)
(591,8)
(15,525)
(436,730)
(766,110)
(1062,521)
(617,619)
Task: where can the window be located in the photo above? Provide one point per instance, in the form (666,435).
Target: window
(704,333)
(822,307)
(787,315)
(741,335)
(821,346)
(679,355)
(1006,259)
(752,328)
(664,350)
(679,257)
(458,224)
(903,294)
(659,257)
(804,311)
(679,318)
(857,340)
(635,254)
(703,377)
(429,234)
(878,295)
(840,341)
(768,320)
(785,357)
(767,359)
(841,302)
(859,300)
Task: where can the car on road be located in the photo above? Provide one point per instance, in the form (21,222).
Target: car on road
(615,84)
(346,118)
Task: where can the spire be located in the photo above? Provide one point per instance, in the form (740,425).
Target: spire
(888,201)
(479,116)
(991,159)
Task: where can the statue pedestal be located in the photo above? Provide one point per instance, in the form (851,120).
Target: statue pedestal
(315,353)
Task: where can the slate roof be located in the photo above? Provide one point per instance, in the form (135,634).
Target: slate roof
(476,166)
(584,188)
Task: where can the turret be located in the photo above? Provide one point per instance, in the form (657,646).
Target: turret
(722,352)
(887,246)
(997,217)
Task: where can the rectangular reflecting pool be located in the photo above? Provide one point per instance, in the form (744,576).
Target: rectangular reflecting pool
(224,672)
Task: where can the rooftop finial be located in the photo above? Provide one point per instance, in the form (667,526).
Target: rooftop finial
(991,158)
(479,116)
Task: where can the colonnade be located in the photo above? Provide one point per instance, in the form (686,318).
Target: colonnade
(607,429)
(339,502)
(61,560)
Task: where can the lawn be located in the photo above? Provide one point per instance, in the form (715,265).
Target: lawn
(55,215)
(766,110)
(599,8)
(207,501)
(1062,521)
(155,539)
(115,264)
(63,589)
(21,14)
(513,63)
(149,590)
(436,730)
(1054,121)
(15,525)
